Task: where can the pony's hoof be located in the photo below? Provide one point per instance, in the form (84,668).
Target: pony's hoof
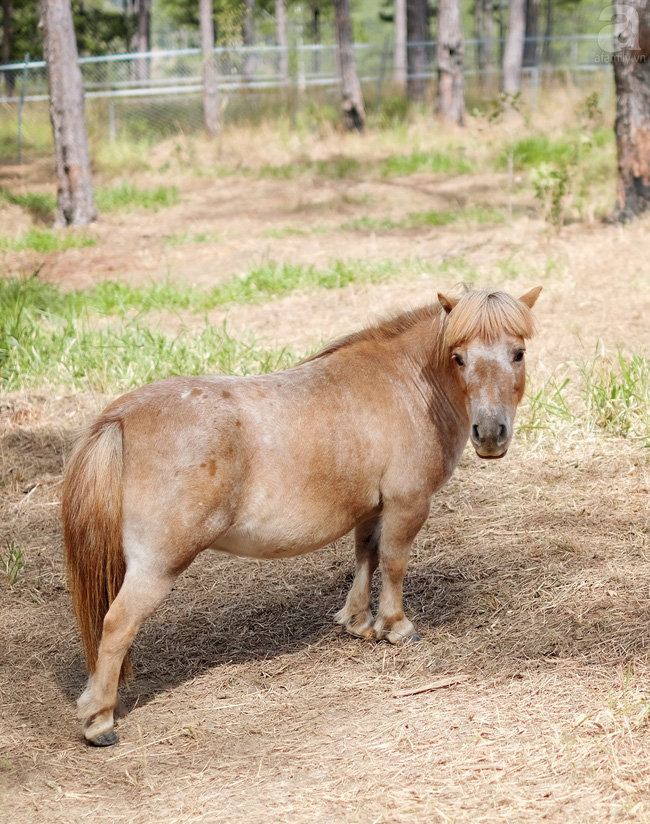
(106,739)
(413,638)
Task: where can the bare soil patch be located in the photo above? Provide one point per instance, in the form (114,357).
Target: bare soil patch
(530,579)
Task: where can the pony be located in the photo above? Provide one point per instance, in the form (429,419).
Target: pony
(357,437)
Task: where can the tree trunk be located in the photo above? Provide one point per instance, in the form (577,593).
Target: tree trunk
(281,25)
(632,78)
(76,205)
(7,34)
(316,11)
(548,34)
(354,115)
(484,32)
(399,65)
(531,50)
(142,39)
(514,48)
(248,38)
(210,74)
(451,101)
(417,32)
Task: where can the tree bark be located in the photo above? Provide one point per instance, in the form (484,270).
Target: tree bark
(7,34)
(316,13)
(281,25)
(514,48)
(142,39)
(451,101)
(354,115)
(548,33)
(484,30)
(417,33)
(248,38)
(531,50)
(210,74)
(76,204)
(399,65)
(632,78)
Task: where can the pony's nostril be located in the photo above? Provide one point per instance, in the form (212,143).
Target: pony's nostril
(503,435)
(475,436)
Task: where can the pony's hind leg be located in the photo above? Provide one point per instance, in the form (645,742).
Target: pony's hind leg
(356,616)
(138,597)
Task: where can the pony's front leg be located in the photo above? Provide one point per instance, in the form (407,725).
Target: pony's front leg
(355,615)
(400,525)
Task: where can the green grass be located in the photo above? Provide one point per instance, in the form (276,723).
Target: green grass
(616,393)
(123,196)
(292,231)
(115,157)
(416,220)
(127,196)
(45,241)
(261,282)
(41,206)
(275,280)
(56,338)
(342,166)
(11,562)
(36,133)
(192,237)
(335,168)
(436,162)
(607,392)
(537,149)
(102,338)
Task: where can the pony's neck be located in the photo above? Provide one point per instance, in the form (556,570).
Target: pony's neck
(426,367)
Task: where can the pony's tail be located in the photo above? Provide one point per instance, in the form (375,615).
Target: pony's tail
(92,528)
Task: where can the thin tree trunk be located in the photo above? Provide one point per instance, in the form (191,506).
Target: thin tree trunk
(399,65)
(417,32)
(484,32)
(7,34)
(546,48)
(531,51)
(210,74)
(479,33)
(76,204)
(632,78)
(451,101)
(514,48)
(316,10)
(142,38)
(248,37)
(281,25)
(354,115)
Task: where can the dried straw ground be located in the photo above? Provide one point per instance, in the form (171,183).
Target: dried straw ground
(527,699)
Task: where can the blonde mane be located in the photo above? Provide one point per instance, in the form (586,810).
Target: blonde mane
(486,314)
(480,313)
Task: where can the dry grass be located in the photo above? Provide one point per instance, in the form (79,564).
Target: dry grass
(529,583)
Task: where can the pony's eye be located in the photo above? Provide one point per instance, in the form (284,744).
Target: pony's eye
(519,356)
(458,359)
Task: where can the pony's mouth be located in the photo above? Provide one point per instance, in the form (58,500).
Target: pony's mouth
(492,457)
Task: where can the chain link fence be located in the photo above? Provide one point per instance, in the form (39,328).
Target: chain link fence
(152,95)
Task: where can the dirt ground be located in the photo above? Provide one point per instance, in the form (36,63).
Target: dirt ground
(530,583)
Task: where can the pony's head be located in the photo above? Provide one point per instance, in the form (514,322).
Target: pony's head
(484,336)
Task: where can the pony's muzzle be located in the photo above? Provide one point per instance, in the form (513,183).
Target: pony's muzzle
(491,438)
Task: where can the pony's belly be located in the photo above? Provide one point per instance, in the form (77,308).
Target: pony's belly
(282,538)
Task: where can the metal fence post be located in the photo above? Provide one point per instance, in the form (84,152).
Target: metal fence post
(534,87)
(21,103)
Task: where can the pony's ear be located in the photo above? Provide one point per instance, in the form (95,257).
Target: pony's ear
(447,303)
(530,297)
